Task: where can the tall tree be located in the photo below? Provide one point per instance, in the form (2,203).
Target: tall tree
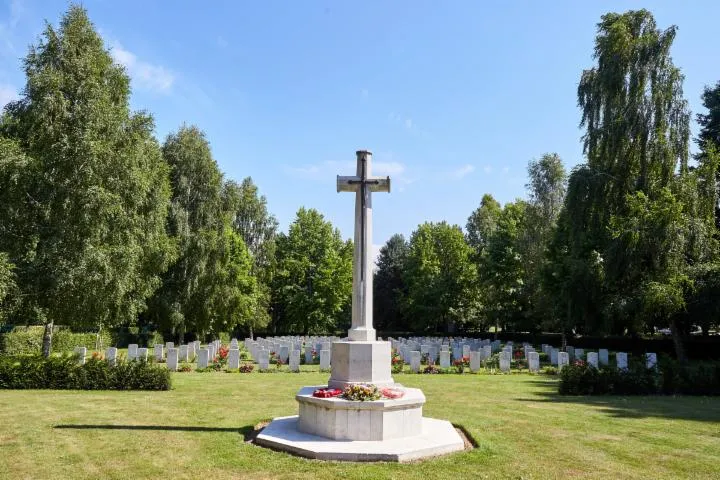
(86,191)
(441,279)
(709,135)
(503,269)
(312,284)
(389,285)
(636,141)
(482,223)
(7,285)
(250,218)
(196,224)
(546,188)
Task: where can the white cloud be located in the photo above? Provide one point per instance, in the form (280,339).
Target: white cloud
(506,169)
(388,168)
(8,93)
(221,42)
(462,171)
(147,76)
(408,123)
(488,169)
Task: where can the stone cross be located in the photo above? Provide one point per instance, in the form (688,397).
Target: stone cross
(363,184)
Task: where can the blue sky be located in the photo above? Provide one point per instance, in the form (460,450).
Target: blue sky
(454,98)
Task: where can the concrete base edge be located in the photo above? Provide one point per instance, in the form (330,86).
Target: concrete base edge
(438,438)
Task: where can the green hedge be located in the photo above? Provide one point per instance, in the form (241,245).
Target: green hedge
(65,373)
(669,378)
(28,340)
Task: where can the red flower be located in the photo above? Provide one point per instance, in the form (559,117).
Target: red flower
(327,392)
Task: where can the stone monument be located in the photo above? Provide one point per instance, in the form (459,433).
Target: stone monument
(380,430)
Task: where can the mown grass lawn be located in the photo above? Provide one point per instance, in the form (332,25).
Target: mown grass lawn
(522,427)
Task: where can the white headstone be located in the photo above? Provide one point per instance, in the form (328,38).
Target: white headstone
(284,354)
(158,352)
(604,356)
(571,353)
(184,357)
(308,355)
(533,361)
(505,359)
(466,350)
(132,351)
(444,359)
(622,360)
(553,356)
(211,352)
(203,358)
(651,360)
(415,356)
(487,352)
(592,359)
(579,354)
(111,356)
(142,354)
(324,359)
(169,345)
(563,360)
(475,361)
(234,344)
(81,352)
(172,359)
(233,359)
(263,359)
(295,361)
(327,346)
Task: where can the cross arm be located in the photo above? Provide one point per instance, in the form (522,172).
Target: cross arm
(347,184)
(379,184)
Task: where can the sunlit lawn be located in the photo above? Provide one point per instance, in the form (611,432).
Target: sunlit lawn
(522,427)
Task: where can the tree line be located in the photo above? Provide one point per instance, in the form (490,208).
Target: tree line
(626,244)
(102,225)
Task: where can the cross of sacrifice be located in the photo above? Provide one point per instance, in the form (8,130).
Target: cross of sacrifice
(363,184)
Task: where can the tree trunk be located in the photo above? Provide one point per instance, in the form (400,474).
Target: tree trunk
(181,335)
(677,340)
(497,327)
(251,333)
(47,339)
(98,339)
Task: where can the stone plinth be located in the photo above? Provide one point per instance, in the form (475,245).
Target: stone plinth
(438,437)
(360,362)
(339,419)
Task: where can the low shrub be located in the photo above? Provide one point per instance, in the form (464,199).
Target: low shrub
(64,373)
(670,378)
(246,367)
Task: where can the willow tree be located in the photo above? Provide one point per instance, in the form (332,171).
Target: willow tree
(636,141)
(83,185)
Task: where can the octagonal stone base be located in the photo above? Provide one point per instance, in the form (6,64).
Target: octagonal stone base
(437,437)
(340,419)
(360,362)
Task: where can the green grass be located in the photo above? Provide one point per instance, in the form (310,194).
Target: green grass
(522,427)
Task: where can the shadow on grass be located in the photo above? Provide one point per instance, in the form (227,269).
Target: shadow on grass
(684,407)
(248,432)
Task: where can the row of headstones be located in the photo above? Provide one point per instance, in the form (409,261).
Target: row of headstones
(289,349)
(443,350)
(184,353)
(477,350)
